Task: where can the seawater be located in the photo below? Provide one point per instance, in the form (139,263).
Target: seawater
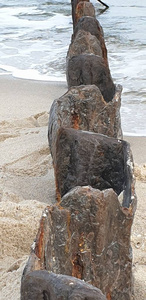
(35,35)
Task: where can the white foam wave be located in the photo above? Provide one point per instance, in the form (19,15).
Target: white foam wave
(30,74)
(10,18)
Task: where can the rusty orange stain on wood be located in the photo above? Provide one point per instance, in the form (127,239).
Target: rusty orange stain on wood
(79,11)
(108,296)
(40,239)
(77,270)
(77,262)
(58,196)
(75,120)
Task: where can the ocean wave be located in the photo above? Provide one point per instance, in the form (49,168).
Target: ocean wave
(29,74)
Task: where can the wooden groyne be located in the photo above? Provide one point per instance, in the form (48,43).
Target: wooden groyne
(82,249)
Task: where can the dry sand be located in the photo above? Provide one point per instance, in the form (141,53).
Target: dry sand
(27,180)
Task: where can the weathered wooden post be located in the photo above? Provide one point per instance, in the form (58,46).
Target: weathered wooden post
(74,4)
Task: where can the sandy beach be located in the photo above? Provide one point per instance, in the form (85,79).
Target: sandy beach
(27,179)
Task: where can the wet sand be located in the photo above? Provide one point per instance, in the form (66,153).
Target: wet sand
(22,98)
(27,180)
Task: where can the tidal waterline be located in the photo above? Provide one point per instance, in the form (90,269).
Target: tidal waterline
(35,36)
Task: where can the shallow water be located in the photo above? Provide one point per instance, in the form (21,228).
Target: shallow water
(35,35)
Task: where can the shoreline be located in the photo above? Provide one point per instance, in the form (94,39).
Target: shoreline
(23,98)
(23,88)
